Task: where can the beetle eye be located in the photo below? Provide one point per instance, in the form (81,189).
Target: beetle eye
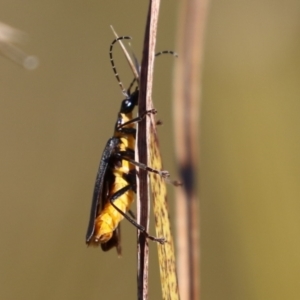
(127,106)
(127,103)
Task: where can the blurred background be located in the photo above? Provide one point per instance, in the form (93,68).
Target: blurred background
(55,121)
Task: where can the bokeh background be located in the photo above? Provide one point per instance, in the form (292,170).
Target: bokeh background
(56,119)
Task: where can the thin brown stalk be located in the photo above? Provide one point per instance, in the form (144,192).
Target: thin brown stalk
(143,144)
(147,139)
(187,90)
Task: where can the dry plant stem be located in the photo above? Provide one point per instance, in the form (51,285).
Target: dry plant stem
(143,142)
(187,90)
(166,255)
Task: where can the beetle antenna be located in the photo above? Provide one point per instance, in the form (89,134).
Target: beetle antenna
(166,52)
(113,63)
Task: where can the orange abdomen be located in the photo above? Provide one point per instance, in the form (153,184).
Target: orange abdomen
(110,218)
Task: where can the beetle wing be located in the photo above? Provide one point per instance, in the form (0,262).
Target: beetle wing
(97,200)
